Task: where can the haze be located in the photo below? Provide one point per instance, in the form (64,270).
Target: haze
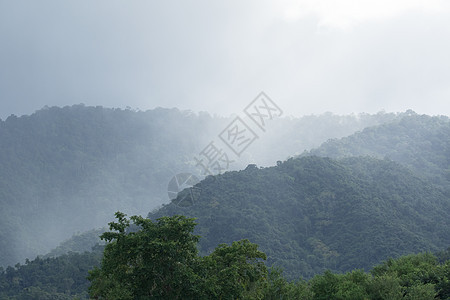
(309,56)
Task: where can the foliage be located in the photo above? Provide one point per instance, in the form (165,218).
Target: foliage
(79,243)
(235,271)
(63,277)
(311,214)
(159,260)
(421,143)
(147,259)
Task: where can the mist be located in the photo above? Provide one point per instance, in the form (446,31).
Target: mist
(309,56)
(286,120)
(76,166)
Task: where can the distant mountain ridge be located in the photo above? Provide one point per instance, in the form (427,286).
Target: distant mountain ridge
(67,170)
(421,143)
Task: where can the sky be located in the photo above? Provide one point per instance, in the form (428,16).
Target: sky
(309,56)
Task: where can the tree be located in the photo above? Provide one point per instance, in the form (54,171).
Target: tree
(147,260)
(159,260)
(352,285)
(235,272)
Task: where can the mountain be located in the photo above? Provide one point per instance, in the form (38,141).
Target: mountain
(67,170)
(63,277)
(78,243)
(310,214)
(420,142)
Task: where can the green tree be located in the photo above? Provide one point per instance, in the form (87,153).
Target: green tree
(385,287)
(278,287)
(155,260)
(352,285)
(235,272)
(159,260)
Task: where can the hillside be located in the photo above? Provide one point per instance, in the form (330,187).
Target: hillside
(418,276)
(61,278)
(313,213)
(421,143)
(67,170)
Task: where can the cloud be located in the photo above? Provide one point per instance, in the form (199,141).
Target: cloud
(309,56)
(348,13)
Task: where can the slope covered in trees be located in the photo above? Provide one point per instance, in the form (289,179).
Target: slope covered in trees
(64,170)
(67,170)
(158,259)
(62,278)
(78,243)
(311,214)
(421,143)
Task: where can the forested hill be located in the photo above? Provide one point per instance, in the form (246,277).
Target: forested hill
(313,213)
(64,170)
(420,142)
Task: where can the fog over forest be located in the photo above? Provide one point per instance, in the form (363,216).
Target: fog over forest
(95,161)
(294,149)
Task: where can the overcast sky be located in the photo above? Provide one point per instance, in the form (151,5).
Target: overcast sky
(309,56)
